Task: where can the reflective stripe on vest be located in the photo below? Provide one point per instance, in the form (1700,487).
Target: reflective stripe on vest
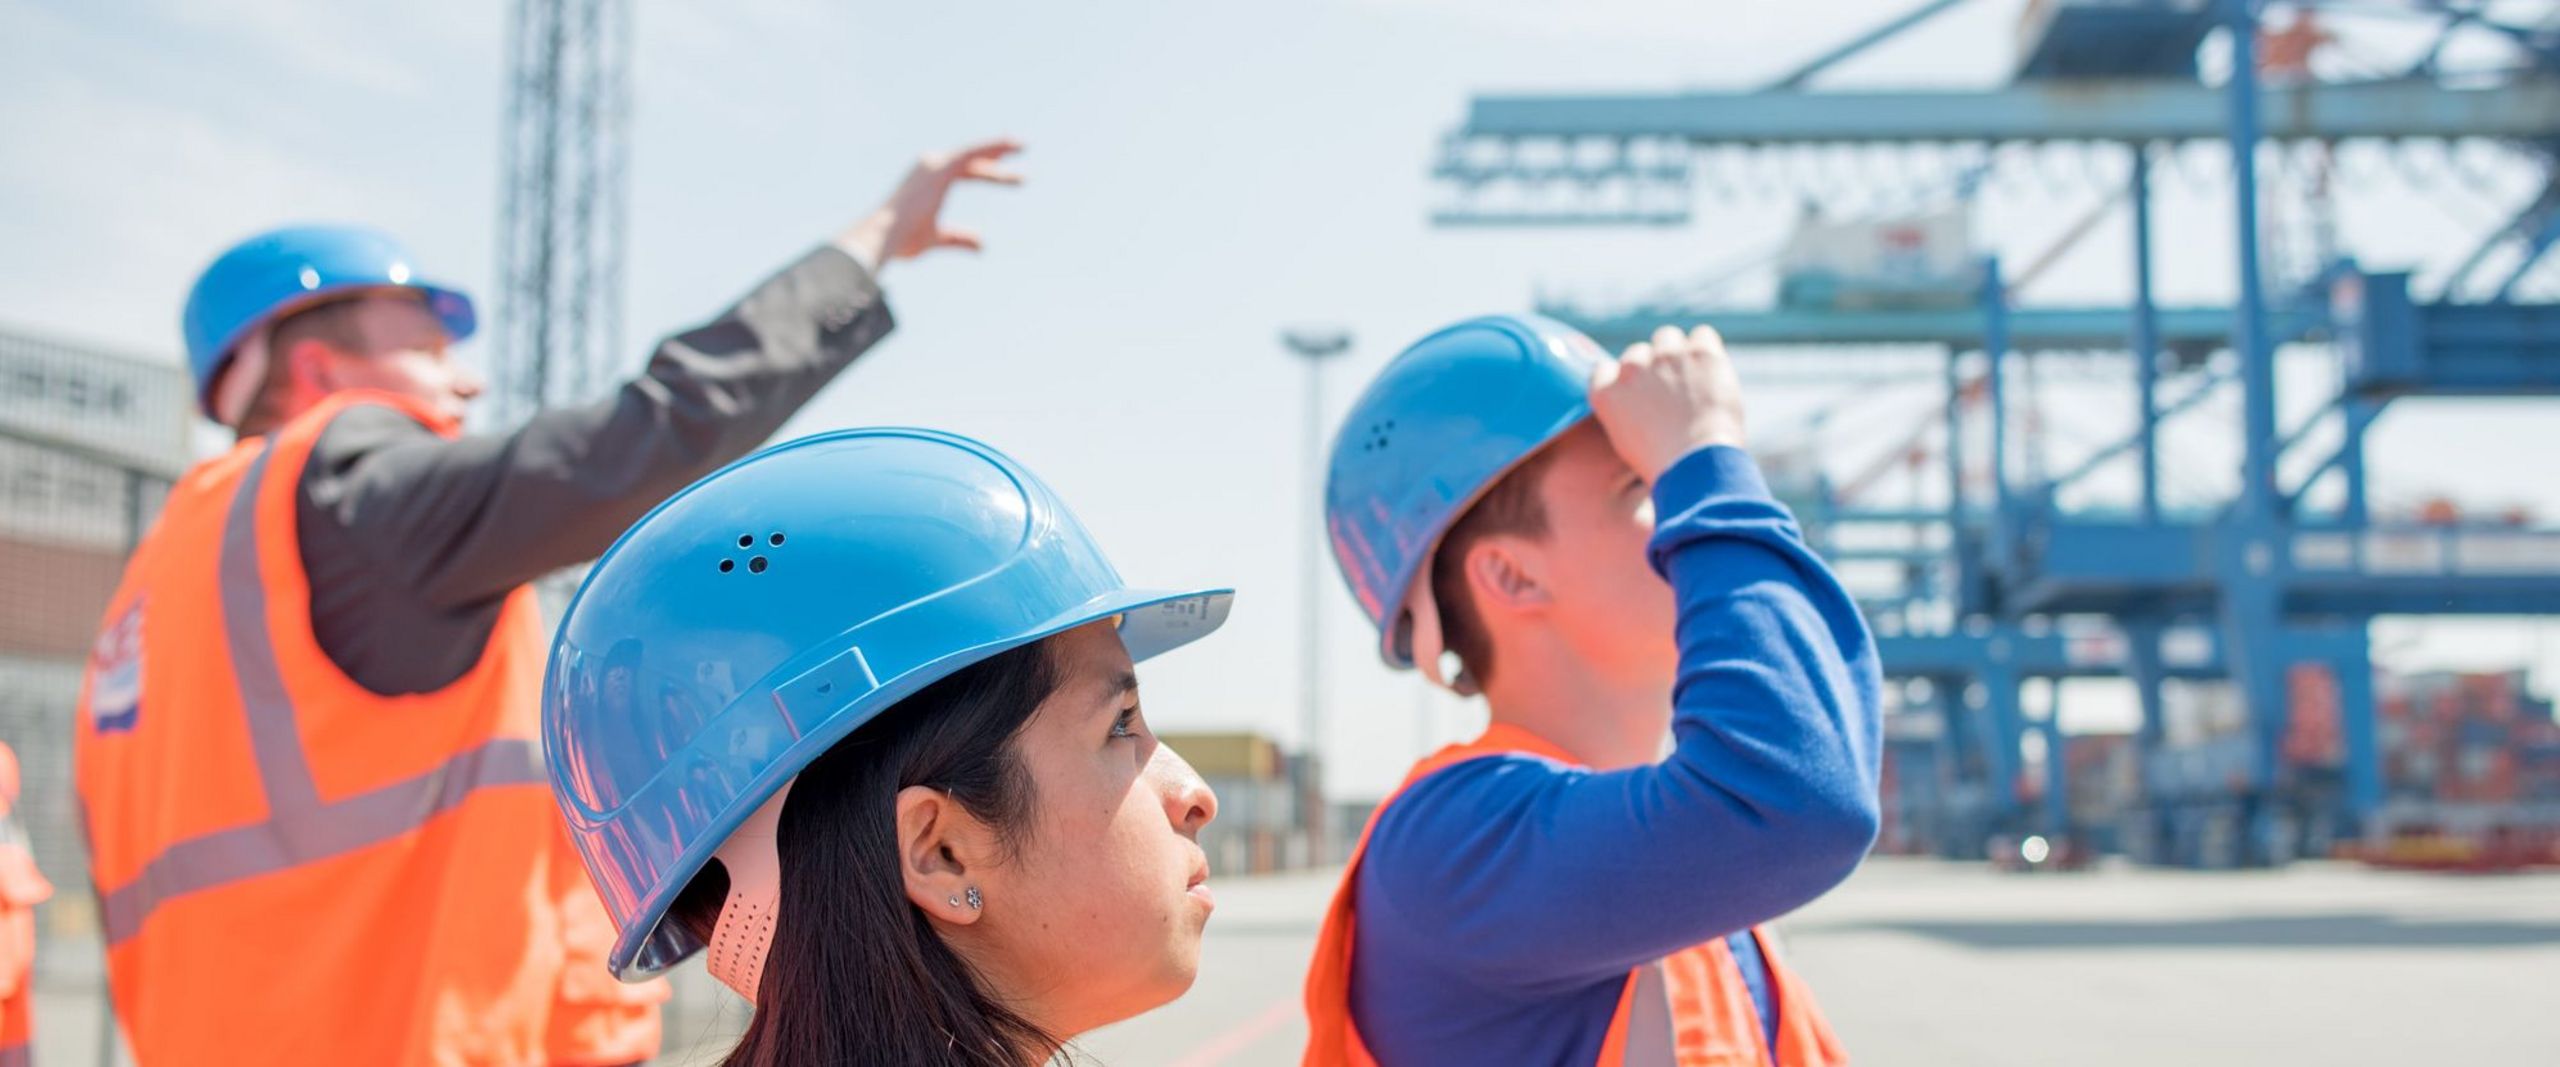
(1688,1009)
(299,827)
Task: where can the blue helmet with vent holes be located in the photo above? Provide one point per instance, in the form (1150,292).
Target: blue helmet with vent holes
(1446,419)
(766,612)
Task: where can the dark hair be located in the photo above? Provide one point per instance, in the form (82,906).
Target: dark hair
(1512,506)
(331,322)
(856,974)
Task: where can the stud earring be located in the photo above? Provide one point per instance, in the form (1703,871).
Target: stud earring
(955,902)
(976,902)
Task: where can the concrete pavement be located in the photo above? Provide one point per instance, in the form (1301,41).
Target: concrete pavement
(1926,963)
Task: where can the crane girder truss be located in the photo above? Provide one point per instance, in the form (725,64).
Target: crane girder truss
(1635,159)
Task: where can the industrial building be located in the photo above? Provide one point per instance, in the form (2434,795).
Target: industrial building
(89,442)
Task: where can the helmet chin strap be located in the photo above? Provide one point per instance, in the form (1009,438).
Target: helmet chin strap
(1422,633)
(238,386)
(744,933)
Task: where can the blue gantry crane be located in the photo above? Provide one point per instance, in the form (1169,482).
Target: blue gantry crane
(2002,583)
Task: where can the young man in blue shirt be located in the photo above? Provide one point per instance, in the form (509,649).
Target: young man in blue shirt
(1683,702)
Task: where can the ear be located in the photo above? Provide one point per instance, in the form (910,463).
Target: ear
(1507,574)
(939,845)
(311,366)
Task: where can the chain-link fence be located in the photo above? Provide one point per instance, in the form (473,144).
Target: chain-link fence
(90,442)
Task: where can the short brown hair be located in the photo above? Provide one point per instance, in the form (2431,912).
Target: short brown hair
(1513,506)
(331,322)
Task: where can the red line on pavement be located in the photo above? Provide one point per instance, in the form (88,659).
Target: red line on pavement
(1242,1037)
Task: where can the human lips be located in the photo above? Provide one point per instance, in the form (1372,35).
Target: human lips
(1198,888)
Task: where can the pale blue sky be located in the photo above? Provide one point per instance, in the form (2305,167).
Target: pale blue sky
(1200,175)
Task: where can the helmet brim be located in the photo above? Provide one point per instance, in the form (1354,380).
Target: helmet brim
(452,308)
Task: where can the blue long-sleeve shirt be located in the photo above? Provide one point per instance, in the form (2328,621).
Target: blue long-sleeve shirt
(1502,901)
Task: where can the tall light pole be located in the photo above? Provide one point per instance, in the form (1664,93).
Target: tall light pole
(1313,345)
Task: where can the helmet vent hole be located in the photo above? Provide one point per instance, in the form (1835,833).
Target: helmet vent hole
(775,540)
(746,540)
(728,565)
(825,688)
(756,565)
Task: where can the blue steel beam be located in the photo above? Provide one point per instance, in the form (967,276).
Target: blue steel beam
(2533,217)
(2154,39)
(1995,354)
(2142,444)
(2347,459)
(2116,111)
(2145,668)
(2057,773)
(1958,509)
(2535,243)
(2251,341)
(1896,516)
(2131,568)
(2252,602)
(1568,219)
(2044,655)
(2346,595)
(2350,454)
(2394,346)
(2541,42)
(2146,337)
(2351,663)
(2189,330)
(2002,700)
(1882,554)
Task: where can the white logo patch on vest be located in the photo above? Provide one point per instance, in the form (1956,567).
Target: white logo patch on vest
(115,674)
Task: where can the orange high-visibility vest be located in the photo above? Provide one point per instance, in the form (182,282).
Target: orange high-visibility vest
(294,869)
(22,887)
(1689,1009)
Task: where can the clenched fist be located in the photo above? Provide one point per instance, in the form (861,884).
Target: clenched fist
(1667,398)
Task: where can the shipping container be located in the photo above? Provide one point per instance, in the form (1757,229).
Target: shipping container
(1913,261)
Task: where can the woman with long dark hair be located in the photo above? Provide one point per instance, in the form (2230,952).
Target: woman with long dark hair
(927,823)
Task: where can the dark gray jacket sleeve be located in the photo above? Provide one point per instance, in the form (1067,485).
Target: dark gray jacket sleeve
(411,539)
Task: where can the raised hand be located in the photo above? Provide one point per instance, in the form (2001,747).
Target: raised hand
(1668,397)
(909,223)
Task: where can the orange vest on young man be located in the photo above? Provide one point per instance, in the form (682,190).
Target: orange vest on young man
(1689,1009)
(293,869)
(22,887)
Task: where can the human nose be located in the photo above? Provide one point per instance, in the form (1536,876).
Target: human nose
(1189,803)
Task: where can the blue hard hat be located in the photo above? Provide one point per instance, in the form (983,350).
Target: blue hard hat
(279,270)
(1446,419)
(749,623)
